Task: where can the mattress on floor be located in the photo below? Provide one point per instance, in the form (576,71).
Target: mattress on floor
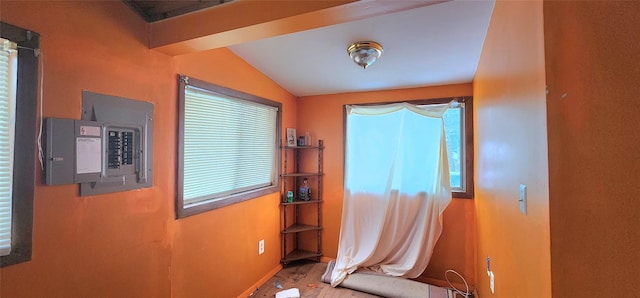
(388,286)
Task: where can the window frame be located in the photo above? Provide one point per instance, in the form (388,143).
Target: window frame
(24,170)
(181,211)
(467,141)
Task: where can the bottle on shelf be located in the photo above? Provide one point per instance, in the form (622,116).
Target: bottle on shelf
(290,196)
(305,190)
(307,139)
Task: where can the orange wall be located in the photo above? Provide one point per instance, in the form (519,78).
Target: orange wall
(592,53)
(322,116)
(128,243)
(511,148)
(83,246)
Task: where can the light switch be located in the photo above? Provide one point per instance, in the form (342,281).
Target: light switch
(522,199)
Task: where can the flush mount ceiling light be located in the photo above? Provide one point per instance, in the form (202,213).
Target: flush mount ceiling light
(364,53)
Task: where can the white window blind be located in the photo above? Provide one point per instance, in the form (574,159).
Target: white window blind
(8,81)
(229,146)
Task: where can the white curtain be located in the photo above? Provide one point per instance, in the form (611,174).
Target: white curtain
(396,188)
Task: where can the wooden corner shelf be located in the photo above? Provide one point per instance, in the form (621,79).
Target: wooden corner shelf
(292,219)
(299,254)
(301,202)
(300,228)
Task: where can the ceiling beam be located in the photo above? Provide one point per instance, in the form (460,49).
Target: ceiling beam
(248,20)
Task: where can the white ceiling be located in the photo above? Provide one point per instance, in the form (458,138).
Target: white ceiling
(433,45)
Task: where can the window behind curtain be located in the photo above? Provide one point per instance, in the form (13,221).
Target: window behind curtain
(8,75)
(455,128)
(454,134)
(228,144)
(458,126)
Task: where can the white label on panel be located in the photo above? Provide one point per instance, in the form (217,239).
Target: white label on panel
(88,155)
(89,131)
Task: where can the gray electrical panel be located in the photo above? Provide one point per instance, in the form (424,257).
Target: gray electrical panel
(109,150)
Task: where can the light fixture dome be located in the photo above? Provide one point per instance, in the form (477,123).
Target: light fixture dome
(364,53)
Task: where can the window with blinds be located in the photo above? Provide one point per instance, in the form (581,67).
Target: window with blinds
(8,81)
(20,59)
(228,148)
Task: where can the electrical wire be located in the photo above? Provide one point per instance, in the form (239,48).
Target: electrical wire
(466,293)
(38,53)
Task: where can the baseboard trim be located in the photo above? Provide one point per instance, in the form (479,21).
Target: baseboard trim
(260,282)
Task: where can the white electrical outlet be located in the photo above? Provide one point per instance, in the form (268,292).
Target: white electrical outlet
(492,284)
(261,247)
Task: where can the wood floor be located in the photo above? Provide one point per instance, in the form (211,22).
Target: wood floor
(307,278)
